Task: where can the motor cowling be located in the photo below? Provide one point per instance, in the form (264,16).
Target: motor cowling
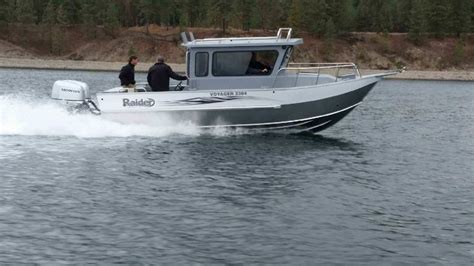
(70,90)
(75,95)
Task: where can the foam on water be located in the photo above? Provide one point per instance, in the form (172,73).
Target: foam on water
(22,116)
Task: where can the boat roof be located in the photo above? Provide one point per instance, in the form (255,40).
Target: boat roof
(277,40)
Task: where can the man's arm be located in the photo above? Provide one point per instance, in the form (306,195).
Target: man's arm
(173,75)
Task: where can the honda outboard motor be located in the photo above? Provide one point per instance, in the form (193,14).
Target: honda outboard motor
(75,94)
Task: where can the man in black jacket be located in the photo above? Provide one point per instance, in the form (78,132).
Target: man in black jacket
(127,74)
(159,76)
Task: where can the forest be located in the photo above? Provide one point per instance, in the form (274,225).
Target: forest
(321,17)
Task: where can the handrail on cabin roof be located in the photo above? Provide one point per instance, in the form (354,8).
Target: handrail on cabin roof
(278,37)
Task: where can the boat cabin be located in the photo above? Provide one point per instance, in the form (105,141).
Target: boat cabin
(237,63)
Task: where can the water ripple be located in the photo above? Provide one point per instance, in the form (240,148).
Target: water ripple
(391,184)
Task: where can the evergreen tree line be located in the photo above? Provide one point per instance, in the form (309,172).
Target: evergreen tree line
(322,17)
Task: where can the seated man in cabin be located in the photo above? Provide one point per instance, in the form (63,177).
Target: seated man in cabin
(256,67)
(159,76)
(127,74)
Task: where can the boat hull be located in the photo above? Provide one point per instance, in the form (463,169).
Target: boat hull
(306,109)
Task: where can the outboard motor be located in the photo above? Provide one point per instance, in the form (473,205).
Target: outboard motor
(75,94)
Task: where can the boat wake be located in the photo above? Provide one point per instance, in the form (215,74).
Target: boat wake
(30,117)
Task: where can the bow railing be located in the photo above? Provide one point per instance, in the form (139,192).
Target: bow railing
(320,68)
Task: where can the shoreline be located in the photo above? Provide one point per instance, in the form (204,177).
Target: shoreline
(461,75)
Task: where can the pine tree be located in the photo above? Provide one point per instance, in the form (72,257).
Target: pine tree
(472,18)
(316,16)
(268,14)
(243,12)
(194,12)
(276,15)
(437,16)
(342,13)
(62,17)
(127,12)
(49,19)
(219,13)
(39,7)
(4,12)
(364,18)
(146,9)
(54,17)
(112,22)
(100,10)
(296,14)
(402,17)
(383,14)
(49,15)
(25,11)
(88,13)
(417,22)
(11,11)
(70,9)
(460,16)
(374,15)
(164,12)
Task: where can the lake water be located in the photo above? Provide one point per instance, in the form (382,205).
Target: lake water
(393,183)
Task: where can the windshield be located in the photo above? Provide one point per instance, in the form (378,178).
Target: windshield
(243,63)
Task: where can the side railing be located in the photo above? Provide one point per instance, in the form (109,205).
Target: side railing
(319,68)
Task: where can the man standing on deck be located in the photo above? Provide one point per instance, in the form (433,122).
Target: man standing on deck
(127,74)
(159,76)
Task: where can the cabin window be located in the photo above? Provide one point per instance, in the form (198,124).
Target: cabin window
(244,63)
(202,64)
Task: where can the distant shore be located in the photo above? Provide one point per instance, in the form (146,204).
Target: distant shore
(460,75)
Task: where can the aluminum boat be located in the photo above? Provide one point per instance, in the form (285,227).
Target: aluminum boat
(238,83)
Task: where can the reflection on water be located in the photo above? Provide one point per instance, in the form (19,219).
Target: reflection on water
(391,184)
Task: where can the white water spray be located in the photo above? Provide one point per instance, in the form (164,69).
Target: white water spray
(20,116)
